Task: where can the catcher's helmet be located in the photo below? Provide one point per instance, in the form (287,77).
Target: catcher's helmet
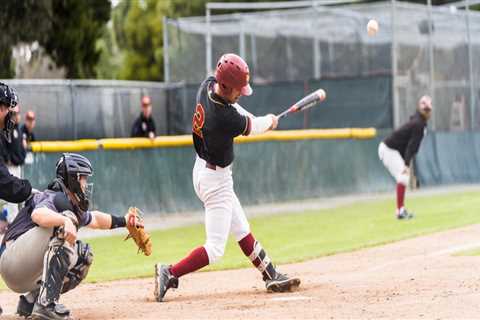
(8,98)
(232,72)
(69,168)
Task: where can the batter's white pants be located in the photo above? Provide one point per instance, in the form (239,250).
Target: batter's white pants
(13,207)
(393,161)
(223,211)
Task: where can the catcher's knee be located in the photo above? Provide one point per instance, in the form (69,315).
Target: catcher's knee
(214,251)
(80,270)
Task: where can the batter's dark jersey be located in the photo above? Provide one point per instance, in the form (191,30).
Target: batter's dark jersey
(215,124)
(408,137)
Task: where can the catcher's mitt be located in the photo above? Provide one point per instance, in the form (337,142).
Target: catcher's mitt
(138,234)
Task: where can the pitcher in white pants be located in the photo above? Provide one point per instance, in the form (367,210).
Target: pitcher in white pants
(217,120)
(398,149)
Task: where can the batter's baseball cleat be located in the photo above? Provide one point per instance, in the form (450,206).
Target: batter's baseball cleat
(164,280)
(24,308)
(281,283)
(404,214)
(51,312)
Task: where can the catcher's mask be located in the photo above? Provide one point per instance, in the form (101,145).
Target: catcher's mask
(8,98)
(74,170)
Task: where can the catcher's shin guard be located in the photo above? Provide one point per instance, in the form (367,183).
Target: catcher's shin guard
(164,280)
(274,280)
(55,268)
(56,264)
(79,272)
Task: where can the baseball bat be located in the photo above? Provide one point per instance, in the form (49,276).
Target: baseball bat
(306,102)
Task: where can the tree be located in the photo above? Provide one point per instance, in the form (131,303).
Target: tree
(20,21)
(76,26)
(138,27)
(67,29)
(143,40)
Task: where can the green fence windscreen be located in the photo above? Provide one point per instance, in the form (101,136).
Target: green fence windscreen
(160,180)
(449,157)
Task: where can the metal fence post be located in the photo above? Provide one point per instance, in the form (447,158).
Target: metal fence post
(430,53)
(396,113)
(166,58)
(241,40)
(470,68)
(72,103)
(253,48)
(208,43)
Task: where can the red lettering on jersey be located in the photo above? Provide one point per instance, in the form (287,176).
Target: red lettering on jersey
(198,120)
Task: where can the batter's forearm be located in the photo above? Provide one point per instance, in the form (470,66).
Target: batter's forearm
(261,124)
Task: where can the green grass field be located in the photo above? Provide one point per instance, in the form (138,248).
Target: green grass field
(474,252)
(294,237)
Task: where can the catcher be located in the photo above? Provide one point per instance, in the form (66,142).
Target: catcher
(42,257)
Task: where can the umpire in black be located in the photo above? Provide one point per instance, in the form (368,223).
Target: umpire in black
(12,189)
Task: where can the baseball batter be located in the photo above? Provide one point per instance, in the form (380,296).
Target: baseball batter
(217,120)
(41,254)
(398,149)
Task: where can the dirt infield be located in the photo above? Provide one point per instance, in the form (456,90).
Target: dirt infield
(417,278)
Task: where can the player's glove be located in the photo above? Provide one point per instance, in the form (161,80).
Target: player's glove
(137,232)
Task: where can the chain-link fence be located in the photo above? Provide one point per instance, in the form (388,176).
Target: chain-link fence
(425,50)
(82,109)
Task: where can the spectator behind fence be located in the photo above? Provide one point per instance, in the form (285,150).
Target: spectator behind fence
(144,126)
(457,114)
(27,128)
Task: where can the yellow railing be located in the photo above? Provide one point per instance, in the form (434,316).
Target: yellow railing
(186,140)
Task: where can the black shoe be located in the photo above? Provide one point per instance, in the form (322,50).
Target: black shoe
(1,311)
(282,283)
(164,280)
(404,215)
(24,308)
(50,312)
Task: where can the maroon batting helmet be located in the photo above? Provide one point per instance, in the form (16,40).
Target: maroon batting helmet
(232,72)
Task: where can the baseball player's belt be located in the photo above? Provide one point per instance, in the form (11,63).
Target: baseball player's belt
(210,166)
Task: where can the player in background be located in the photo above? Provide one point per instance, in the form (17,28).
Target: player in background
(27,128)
(42,257)
(218,119)
(12,189)
(144,125)
(398,149)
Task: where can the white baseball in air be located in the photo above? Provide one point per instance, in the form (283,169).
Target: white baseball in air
(321,94)
(372,27)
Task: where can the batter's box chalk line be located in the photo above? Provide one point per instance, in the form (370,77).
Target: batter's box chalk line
(291,298)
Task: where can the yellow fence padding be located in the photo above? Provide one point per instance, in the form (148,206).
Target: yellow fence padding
(158,142)
(186,140)
(64,146)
